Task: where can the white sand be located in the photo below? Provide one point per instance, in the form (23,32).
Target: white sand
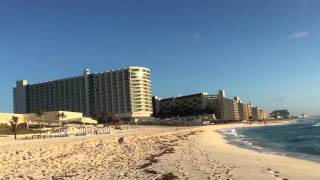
(147,153)
(209,156)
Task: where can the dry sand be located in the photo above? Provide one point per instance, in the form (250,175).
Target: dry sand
(147,153)
(209,156)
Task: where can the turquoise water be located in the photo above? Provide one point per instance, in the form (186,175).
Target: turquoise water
(300,138)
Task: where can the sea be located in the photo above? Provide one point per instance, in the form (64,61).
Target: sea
(299,138)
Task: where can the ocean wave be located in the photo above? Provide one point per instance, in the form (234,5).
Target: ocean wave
(234,137)
(299,139)
(228,132)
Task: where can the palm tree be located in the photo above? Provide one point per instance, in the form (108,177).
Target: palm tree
(40,114)
(106,118)
(14,125)
(62,116)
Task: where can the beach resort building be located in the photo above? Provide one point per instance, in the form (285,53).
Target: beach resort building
(124,92)
(281,114)
(227,109)
(193,104)
(259,114)
(224,109)
(199,104)
(245,111)
(236,101)
(53,117)
(156,105)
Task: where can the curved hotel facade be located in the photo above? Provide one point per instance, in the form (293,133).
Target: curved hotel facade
(124,92)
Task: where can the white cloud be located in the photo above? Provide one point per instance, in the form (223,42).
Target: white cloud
(196,36)
(299,35)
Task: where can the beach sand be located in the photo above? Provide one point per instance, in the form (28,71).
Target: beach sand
(209,156)
(147,153)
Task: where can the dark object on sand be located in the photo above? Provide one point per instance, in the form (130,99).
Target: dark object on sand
(121,140)
(169,176)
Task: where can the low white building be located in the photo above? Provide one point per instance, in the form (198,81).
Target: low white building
(54,117)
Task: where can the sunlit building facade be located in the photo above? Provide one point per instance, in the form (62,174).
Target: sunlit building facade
(124,92)
(245,111)
(259,114)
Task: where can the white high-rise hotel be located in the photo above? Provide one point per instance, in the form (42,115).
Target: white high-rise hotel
(123,92)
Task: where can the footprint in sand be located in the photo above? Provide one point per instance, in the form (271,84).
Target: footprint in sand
(275,174)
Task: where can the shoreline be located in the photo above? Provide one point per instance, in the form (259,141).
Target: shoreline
(210,152)
(149,153)
(290,167)
(243,144)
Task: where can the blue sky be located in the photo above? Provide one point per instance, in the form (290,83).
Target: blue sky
(265,51)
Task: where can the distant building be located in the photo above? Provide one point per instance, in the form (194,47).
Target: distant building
(223,108)
(124,92)
(236,102)
(193,104)
(259,114)
(304,116)
(156,105)
(221,94)
(256,113)
(226,109)
(280,114)
(201,103)
(245,111)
